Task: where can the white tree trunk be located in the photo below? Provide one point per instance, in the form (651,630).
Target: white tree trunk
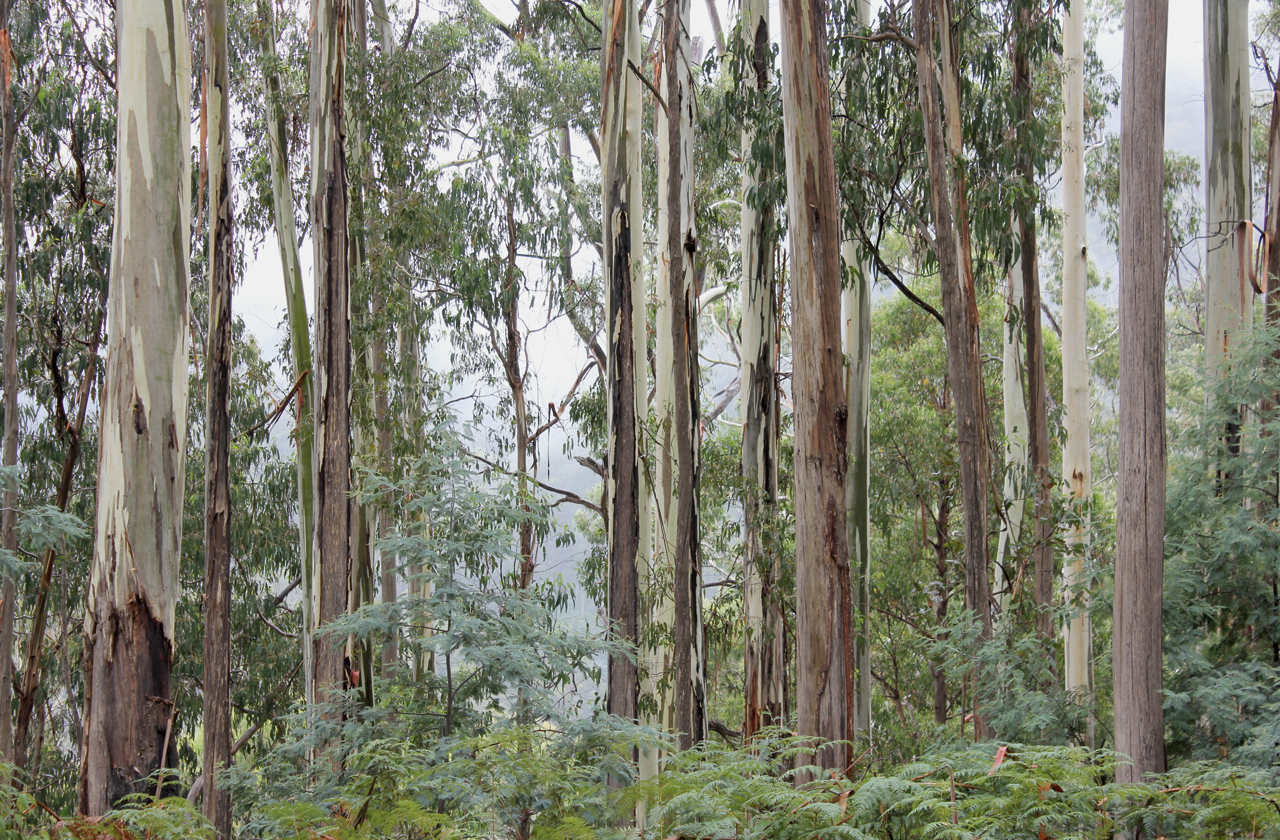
(1228,199)
(1016,427)
(133,587)
(1076,465)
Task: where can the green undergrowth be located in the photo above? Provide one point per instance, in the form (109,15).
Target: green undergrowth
(717,793)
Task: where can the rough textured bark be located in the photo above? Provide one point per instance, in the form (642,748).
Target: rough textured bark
(1076,465)
(765,685)
(856,298)
(1016,463)
(133,586)
(1228,198)
(299,328)
(1140,491)
(823,597)
(9,516)
(217,480)
(679,428)
(964,363)
(331,568)
(625,330)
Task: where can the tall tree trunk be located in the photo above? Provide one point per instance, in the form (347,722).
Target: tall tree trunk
(217,480)
(1017,467)
(331,569)
(1037,390)
(299,329)
(857,385)
(676,276)
(765,685)
(964,362)
(625,380)
(133,587)
(1076,465)
(1140,491)
(9,516)
(823,597)
(1228,198)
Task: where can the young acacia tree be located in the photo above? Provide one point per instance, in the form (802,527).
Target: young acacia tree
(764,649)
(217,453)
(1076,462)
(625,380)
(133,587)
(1140,490)
(823,596)
(331,568)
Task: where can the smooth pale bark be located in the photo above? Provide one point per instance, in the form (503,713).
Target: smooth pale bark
(133,586)
(1016,464)
(964,362)
(216,691)
(1140,490)
(1228,197)
(625,379)
(9,516)
(823,597)
(299,328)
(1077,642)
(1271,256)
(856,307)
(331,568)
(765,684)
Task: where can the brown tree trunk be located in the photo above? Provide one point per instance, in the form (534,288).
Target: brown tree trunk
(1140,491)
(1037,389)
(960,305)
(217,480)
(622,215)
(133,589)
(9,516)
(823,596)
(332,564)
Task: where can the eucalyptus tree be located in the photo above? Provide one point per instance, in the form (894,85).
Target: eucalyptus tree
(626,379)
(1077,465)
(328,211)
(129,624)
(943,145)
(1013,381)
(216,720)
(764,648)
(1140,491)
(823,598)
(677,450)
(1228,198)
(9,231)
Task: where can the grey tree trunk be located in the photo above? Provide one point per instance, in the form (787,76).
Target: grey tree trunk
(299,328)
(9,516)
(133,586)
(765,685)
(626,380)
(1140,491)
(217,480)
(857,348)
(823,597)
(1014,371)
(1228,197)
(331,569)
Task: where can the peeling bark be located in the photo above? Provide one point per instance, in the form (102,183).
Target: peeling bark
(823,597)
(133,586)
(217,487)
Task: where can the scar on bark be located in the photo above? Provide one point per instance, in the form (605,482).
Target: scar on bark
(139,415)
